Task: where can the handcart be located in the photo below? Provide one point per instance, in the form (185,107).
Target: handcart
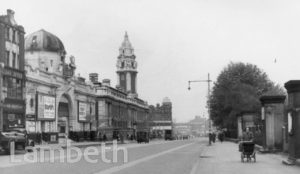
(247,149)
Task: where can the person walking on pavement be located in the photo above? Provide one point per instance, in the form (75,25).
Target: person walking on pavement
(247,135)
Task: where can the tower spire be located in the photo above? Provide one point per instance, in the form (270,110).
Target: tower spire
(127,67)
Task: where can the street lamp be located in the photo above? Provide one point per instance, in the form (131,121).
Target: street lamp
(208,96)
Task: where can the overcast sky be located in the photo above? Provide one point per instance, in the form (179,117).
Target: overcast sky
(175,41)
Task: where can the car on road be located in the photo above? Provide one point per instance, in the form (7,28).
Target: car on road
(15,136)
(142,136)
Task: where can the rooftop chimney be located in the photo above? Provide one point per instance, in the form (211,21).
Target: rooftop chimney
(11,16)
(93,77)
(106,82)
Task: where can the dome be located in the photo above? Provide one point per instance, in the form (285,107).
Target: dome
(44,41)
(166,100)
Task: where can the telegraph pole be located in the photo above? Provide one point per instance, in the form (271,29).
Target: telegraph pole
(208,81)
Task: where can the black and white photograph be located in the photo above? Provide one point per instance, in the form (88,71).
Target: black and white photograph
(149,86)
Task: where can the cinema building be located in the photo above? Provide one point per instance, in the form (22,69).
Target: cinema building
(60,105)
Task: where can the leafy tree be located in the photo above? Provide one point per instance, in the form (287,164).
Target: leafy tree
(237,89)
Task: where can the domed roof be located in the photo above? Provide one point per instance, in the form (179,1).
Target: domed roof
(166,100)
(44,41)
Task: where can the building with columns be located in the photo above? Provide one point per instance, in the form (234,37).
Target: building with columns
(60,104)
(12,76)
(120,112)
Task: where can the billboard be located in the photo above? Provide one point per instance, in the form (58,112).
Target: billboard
(46,107)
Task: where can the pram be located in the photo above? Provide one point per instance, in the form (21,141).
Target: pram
(247,149)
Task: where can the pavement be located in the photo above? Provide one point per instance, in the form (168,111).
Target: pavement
(225,158)
(158,157)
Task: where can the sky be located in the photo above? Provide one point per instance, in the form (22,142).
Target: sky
(174,40)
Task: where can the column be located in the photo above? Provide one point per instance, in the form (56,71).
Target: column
(293,89)
(128,82)
(273,121)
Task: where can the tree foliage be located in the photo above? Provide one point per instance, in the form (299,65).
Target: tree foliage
(237,89)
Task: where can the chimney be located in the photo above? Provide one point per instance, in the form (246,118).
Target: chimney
(10,13)
(93,77)
(106,82)
(11,16)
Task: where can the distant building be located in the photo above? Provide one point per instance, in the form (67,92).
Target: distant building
(198,126)
(181,129)
(12,101)
(160,118)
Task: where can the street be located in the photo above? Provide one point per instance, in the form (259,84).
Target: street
(167,157)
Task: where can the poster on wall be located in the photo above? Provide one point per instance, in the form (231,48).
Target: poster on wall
(82,109)
(46,107)
(30,104)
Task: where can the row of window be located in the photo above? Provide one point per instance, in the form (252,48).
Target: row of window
(11,35)
(13,86)
(12,60)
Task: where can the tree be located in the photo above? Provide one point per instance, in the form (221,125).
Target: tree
(237,89)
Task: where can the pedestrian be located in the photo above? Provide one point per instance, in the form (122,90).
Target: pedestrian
(213,137)
(247,135)
(221,136)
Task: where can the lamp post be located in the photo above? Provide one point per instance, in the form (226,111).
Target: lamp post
(208,96)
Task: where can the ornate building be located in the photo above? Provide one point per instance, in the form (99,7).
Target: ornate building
(120,112)
(12,76)
(59,104)
(127,68)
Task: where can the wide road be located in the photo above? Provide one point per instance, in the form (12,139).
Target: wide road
(166,157)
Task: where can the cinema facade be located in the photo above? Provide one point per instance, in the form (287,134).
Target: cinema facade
(60,105)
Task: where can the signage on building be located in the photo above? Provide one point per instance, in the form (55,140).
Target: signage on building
(14,105)
(30,126)
(12,73)
(82,111)
(46,107)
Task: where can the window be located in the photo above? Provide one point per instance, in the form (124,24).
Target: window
(7,33)
(14,60)
(7,58)
(17,36)
(14,87)
(17,61)
(13,35)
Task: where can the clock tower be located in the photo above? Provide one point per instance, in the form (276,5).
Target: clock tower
(127,68)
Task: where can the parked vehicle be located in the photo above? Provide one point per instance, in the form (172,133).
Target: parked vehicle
(142,136)
(6,138)
(168,135)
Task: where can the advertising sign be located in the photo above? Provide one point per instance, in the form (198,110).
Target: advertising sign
(82,116)
(46,107)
